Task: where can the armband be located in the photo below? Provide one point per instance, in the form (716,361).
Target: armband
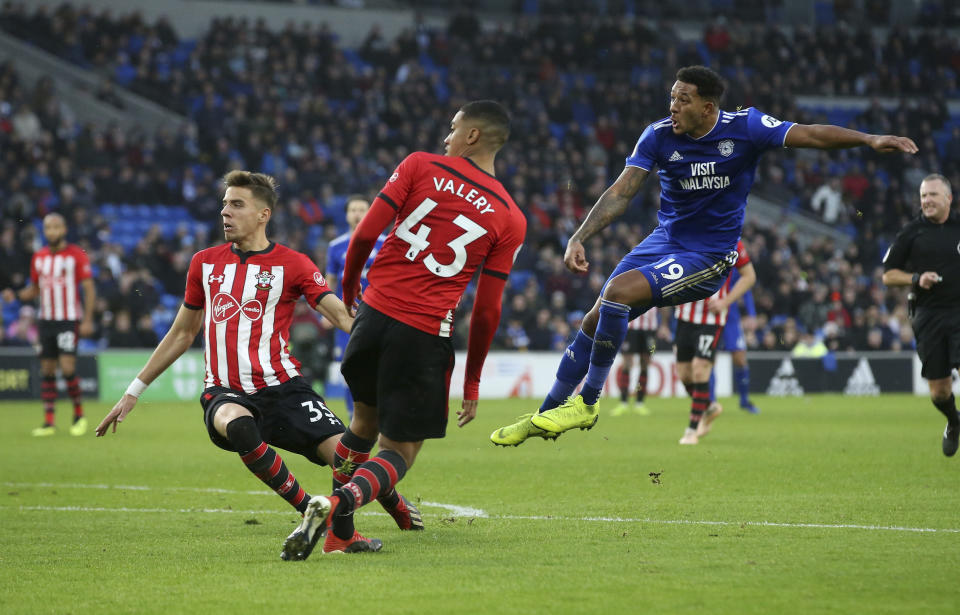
(136,388)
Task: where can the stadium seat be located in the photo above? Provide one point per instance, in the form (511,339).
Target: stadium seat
(823,13)
(124,74)
(519,278)
(169,301)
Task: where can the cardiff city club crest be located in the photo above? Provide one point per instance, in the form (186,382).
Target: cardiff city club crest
(725,147)
(264,279)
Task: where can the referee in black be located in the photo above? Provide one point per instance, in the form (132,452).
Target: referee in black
(926,256)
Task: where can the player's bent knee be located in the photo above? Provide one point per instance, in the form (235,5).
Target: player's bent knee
(227,413)
(629,288)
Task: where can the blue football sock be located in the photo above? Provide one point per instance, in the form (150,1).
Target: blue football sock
(611,329)
(713,387)
(741,376)
(572,369)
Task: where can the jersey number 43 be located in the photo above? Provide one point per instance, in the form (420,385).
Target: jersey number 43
(419,240)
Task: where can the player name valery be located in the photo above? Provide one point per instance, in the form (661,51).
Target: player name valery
(703,177)
(472,196)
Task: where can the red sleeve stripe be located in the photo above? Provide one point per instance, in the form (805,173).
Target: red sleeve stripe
(496,274)
(255,454)
(388,201)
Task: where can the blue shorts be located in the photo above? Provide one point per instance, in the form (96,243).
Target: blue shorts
(676,275)
(340,339)
(733,338)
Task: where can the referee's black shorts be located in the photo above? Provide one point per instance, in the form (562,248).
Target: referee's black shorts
(402,371)
(938,341)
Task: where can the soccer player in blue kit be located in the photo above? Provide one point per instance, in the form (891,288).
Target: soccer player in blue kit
(356,208)
(706,159)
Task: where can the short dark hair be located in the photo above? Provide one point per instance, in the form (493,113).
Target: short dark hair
(355,197)
(709,83)
(946,182)
(262,186)
(494,115)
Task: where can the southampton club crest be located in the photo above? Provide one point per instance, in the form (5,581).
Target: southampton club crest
(725,147)
(264,279)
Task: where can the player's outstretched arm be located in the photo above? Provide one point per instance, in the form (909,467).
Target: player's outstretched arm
(177,340)
(611,205)
(334,310)
(827,136)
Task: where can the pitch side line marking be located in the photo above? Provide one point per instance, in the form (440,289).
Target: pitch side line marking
(887,528)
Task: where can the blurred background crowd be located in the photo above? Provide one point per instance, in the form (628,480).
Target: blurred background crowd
(329,120)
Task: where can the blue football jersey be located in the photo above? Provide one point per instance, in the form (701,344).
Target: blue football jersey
(704,182)
(337,259)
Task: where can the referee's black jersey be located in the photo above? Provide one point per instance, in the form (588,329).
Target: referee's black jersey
(925,246)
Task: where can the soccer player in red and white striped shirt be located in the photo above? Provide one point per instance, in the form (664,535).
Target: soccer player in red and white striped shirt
(641,341)
(242,294)
(57,273)
(699,325)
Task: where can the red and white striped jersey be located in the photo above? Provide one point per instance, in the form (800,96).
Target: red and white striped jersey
(648,321)
(698,312)
(249,298)
(57,275)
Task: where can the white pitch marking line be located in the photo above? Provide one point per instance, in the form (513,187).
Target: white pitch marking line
(464,511)
(514,517)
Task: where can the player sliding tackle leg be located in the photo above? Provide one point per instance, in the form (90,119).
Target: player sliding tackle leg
(706,159)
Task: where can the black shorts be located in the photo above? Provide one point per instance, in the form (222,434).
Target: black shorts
(638,341)
(938,341)
(696,341)
(402,371)
(57,337)
(290,416)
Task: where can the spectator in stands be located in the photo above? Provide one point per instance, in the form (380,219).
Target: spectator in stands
(828,202)
(146,335)
(122,333)
(809,347)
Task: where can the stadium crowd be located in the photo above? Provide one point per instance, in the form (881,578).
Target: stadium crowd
(328,121)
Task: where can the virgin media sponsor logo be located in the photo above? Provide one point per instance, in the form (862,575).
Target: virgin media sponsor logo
(226,307)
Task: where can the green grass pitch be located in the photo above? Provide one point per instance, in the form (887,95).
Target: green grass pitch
(820,504)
